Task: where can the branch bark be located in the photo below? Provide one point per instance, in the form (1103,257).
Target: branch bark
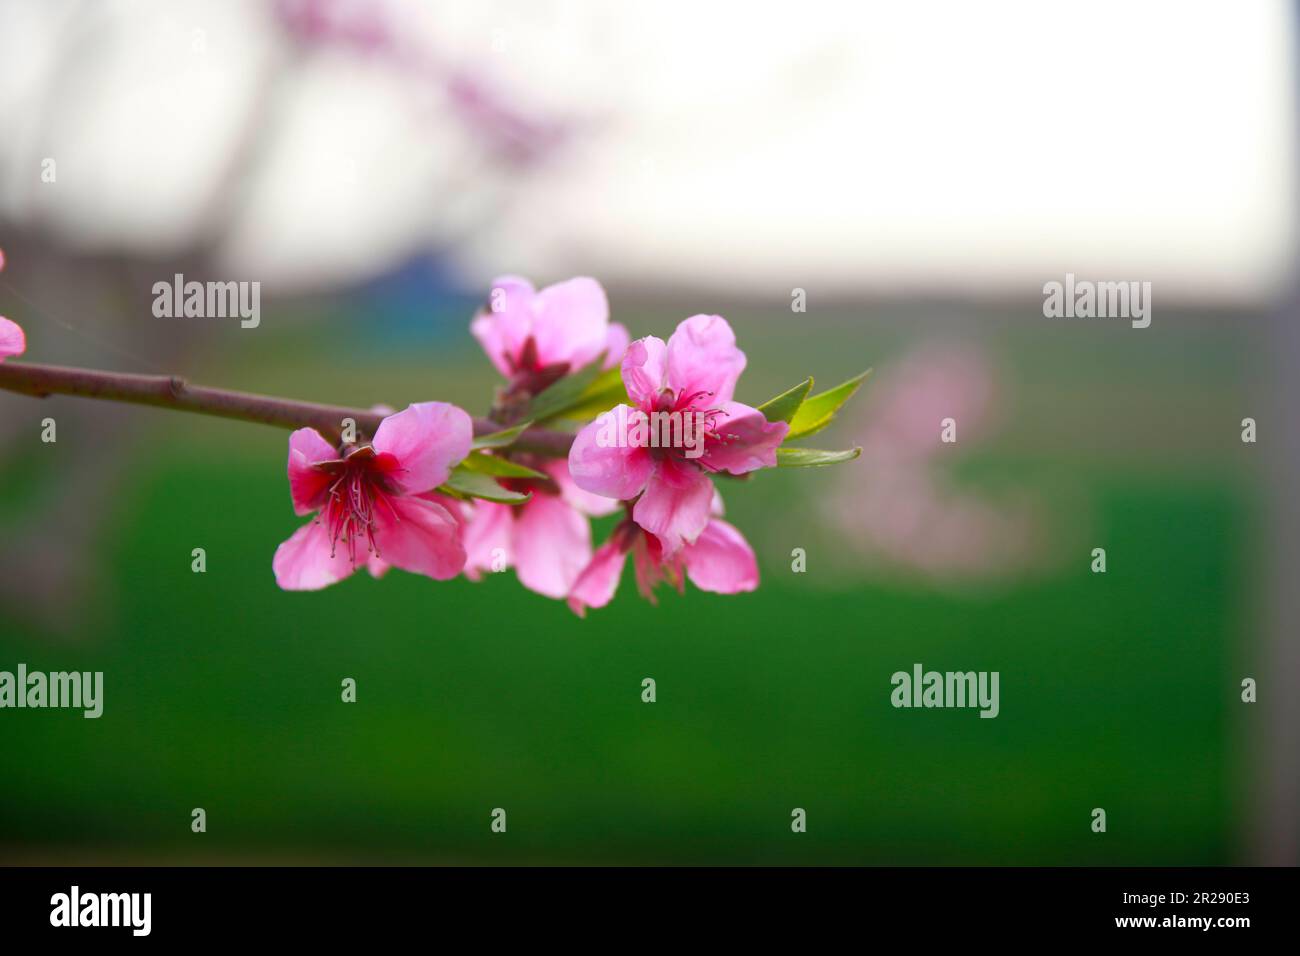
(163,391)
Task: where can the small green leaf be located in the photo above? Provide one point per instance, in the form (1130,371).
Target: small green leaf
(783,407)
(471,484)
(485,464)
(805,457)
(501,439)
(601,395)
(819,411)
(565,393)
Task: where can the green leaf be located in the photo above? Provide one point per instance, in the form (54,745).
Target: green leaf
(806,457)
(485,464)
(565,393)
(601,395)
(502,438)
(819,411)
(471,484)
(783,407)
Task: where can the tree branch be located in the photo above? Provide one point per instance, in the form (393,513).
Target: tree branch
(163,391)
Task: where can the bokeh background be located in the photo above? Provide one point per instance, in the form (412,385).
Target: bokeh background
(919,171)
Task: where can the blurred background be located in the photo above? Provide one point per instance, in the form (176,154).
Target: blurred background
(919,171)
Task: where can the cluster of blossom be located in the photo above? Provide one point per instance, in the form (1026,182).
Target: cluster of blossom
(376,503)
(399,496)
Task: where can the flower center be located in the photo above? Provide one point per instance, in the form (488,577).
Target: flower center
(362,487)
(695,426)
(530,376)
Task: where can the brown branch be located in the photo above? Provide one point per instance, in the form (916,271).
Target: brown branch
(162,391)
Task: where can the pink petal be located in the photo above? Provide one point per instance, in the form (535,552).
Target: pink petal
(571,322)
(419,536)
(427,439)
(675,506)
(308,487)
(12,339)
(598,581)
(652,566)
(490,527)
(377,567)
(594,505)
(702,357)
(616,345)
(721,560)
(552,545)
(303,563)
(459,510)
(608,470)
(645,370)
(749,440)
(504,326)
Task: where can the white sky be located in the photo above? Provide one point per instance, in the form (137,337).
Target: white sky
(845,146)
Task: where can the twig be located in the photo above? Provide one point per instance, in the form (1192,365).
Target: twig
(163,391)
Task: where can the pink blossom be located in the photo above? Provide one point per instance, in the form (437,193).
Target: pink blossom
(913,515)
(547,539)
(12,339)
(376,496)
(695,373)
(535,338)
(720,560)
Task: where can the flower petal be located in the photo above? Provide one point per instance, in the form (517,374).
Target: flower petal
(675,506)
(309,487)
(598,581)
(721,560)
(459,510)
(552,545)
(749,440)
(586,502)
(304,562)
(419,536)
(571,322)
(597,463)
(616,345)
(702,357)
(504,326)
(645,370)
(652,566)
(12,339)
(490,527)
(427,439)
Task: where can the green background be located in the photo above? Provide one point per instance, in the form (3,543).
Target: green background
(1117,691)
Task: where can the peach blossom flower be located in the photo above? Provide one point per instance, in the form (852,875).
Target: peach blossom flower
(372,500)
(695,373)
(12,339)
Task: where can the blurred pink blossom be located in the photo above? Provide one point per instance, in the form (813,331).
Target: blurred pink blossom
(906,511)
(518,136)
(12,339)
